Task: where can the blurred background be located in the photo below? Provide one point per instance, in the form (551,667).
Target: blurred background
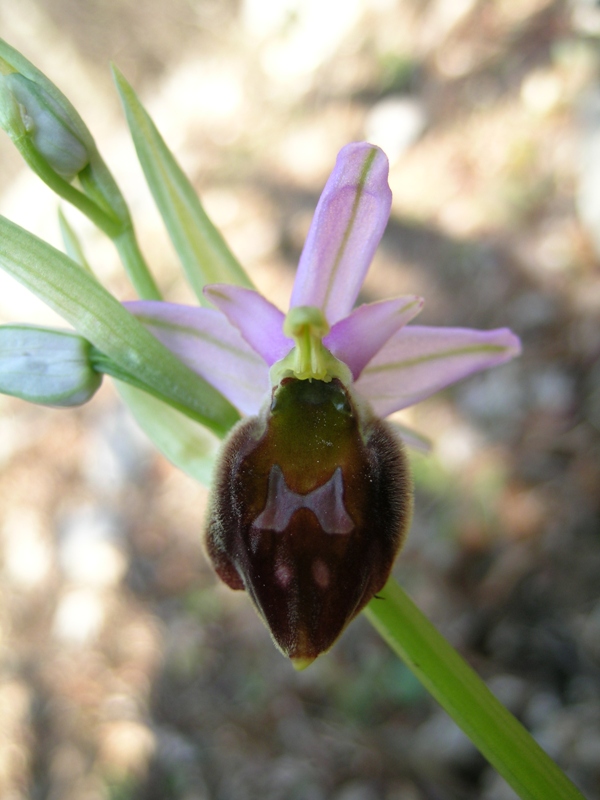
(126,671)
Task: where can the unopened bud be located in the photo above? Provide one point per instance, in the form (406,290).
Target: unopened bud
(42,118)
(46,366)
(310,506)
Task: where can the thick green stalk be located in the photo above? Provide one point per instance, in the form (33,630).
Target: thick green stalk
(460,691)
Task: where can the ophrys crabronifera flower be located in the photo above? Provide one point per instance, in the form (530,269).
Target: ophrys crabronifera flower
(312,494)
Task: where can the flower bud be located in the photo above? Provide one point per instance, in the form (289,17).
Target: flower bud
(42,118)
(311,503)
(46,366)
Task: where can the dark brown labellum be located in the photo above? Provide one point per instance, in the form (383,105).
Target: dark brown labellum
(310,506)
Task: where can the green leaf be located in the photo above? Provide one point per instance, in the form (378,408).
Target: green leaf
(204,253)
(101,319)
(186,444)
(461,692)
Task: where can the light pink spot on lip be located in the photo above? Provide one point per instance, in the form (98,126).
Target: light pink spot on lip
(283,575)
(321,574)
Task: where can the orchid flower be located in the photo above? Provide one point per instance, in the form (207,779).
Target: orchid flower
(313,495)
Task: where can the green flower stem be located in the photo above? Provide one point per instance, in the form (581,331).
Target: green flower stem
(495,732)
(98,184)
(97,181)
(120,230)
(107,223)
(135,265)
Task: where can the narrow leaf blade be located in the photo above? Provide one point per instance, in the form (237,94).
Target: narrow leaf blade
(205,256)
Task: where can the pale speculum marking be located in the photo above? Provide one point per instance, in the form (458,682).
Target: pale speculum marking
(326,502)
(320,573)
(283,575)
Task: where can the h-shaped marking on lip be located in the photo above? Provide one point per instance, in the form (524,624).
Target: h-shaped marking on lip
(326,502)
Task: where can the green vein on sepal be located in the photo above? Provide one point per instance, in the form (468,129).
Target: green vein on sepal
(364,173)
(101,319)
(467,350)
(205,256)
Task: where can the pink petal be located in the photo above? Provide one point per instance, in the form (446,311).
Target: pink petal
(348,224)
(204,340)
(259,322)
(419,361)
(358,337)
